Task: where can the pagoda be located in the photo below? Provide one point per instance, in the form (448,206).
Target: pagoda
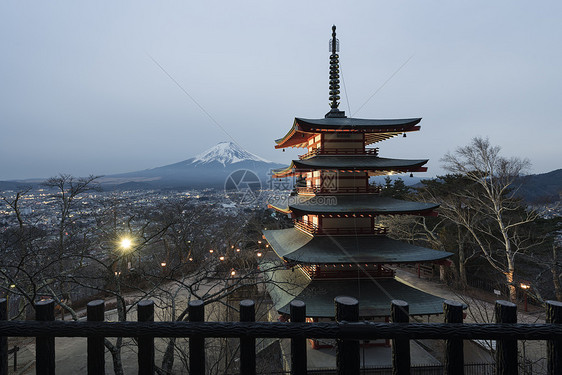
(337,245)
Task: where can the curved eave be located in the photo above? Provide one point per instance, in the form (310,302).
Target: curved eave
(283,210)
(375,130)
(351,205)
(294,138)
(357,124)
(374,296)
(373,165)
(295,246)
(304,210)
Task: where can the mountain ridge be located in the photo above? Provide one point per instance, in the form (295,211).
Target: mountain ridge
(209,168)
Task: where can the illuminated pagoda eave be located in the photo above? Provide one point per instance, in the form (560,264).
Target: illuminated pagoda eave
(293,245)
(353,206)
(375,130)
(374,166)
(318,295)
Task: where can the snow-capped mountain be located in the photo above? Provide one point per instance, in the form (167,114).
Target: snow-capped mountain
(210,168)
(226,153)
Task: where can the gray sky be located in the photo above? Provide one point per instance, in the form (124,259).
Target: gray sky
(80,94)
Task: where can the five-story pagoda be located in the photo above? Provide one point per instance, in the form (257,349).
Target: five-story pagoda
(337,247)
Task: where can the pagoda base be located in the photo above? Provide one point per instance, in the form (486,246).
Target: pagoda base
(374,295)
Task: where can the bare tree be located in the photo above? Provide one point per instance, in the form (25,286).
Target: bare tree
(497,232)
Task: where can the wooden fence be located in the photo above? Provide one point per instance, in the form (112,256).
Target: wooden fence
(346,330)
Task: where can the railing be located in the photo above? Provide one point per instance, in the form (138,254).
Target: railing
(346,330)
(340,151)
(339,190)
(336,272)
(314,229)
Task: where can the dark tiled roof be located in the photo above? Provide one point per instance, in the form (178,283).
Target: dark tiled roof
(356,123)
(357,162)
(374,295)
(346,204)
(297,246)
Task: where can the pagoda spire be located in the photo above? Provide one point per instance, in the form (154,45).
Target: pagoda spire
(334,77)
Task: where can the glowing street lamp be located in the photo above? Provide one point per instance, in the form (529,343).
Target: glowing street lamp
(125,243)
(221,258)
(232,273)
(211,251)
(259,254)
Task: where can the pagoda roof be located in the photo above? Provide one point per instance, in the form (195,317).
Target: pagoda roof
(374,295)
(369,163)
(294,245)
(351,204)
(378,129)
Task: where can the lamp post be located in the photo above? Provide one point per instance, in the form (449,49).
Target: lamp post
(125,244)
(525,287)
(12,287)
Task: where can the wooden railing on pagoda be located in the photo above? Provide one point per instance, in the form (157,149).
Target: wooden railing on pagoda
(337,270)
(346,330)
(340,151)
(316,230)
(339,190)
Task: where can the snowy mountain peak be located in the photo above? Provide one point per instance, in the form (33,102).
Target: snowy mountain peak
(226,153)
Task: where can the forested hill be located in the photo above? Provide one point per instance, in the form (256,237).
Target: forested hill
(542,188)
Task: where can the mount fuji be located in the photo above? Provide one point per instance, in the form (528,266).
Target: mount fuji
(209,169)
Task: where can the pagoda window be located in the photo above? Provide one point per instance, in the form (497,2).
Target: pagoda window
(316,179)
(314,220)
(309,179)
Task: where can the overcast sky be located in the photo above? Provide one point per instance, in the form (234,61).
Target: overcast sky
(81,94)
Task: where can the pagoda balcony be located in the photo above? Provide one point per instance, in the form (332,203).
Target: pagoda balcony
(340,151)
(313,190)
(315,230)
(343,271)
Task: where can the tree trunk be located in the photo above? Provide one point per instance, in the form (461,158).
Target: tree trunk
(511,286)
(556,274)
(168,358)
(462,266)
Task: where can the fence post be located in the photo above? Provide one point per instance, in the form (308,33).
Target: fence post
(3,339)
(400,313)
(298,345)
(506,349)
(196,344)
(554,347)
(247,344)
(96,348)
(145,313)
(347,351)
(454,355)
(45,346)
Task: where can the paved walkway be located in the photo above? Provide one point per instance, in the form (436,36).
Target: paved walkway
(480,303)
